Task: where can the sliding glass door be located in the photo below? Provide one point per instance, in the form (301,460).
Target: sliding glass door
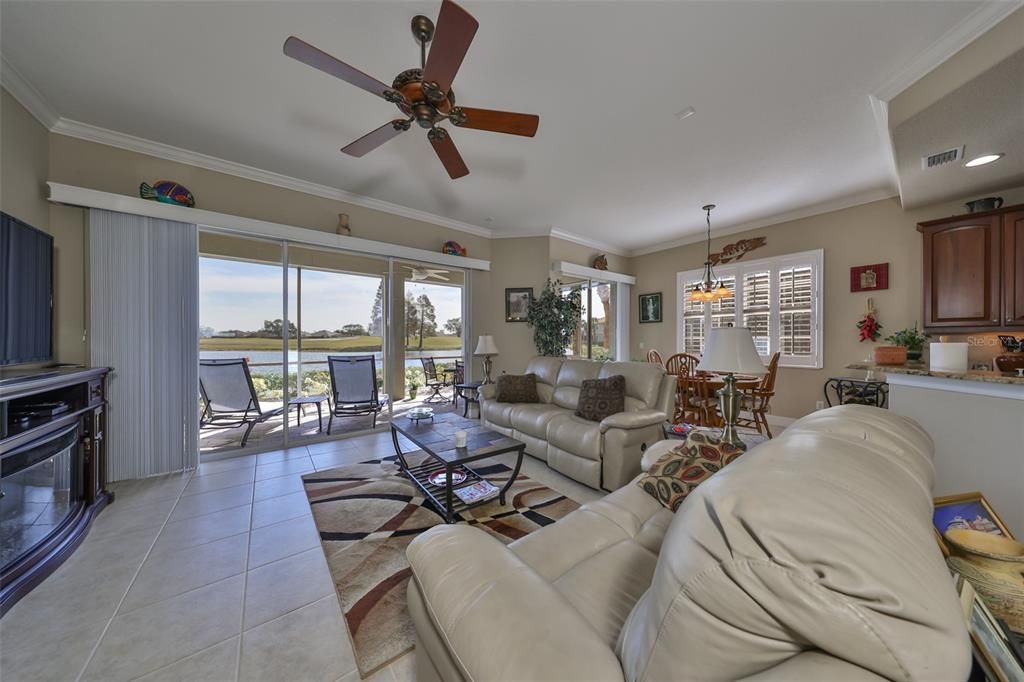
(272,313)
(336,308)
(241,324)
(594,337)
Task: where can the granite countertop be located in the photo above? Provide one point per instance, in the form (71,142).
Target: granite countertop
(921,370)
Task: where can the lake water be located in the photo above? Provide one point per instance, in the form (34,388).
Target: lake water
(311,358)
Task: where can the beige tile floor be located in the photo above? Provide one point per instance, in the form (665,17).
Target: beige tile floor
(205,576)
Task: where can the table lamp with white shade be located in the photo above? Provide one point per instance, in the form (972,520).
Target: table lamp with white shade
(730,351)
(486,348)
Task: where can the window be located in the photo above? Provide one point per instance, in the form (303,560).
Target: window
(778,299)
(595,335)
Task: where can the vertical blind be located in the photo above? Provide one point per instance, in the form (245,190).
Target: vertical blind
(144,324)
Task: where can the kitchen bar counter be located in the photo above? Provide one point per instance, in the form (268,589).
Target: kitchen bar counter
(978,441)
(921,370)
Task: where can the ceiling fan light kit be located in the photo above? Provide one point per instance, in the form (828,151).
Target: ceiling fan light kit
(423,95)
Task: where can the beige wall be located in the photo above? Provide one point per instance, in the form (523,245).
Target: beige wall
(871,233)
(25,155)
(109,169)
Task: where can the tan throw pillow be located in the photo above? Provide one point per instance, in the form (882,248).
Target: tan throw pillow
(686,466)
(600,398)
(517,388)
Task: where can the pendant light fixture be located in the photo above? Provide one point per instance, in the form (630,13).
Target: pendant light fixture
(711,288)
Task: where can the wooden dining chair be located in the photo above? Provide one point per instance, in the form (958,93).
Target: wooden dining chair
(682,363)
(757,401)
(654,357)
(695,403)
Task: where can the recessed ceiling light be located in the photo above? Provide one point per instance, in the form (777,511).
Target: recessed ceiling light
(982,160)
(686,113)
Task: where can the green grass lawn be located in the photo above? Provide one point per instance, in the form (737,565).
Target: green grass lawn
(354,344)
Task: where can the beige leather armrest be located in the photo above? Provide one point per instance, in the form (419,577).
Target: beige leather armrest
(498,618)
(487,391)
(637,419)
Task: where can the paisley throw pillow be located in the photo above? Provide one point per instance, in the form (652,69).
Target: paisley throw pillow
(686,466)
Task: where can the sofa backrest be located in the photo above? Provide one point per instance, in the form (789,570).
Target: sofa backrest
(546,369)
(570,377)
(643,383)
(818,540)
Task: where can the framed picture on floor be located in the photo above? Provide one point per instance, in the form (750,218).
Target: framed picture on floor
(970,511)
(650,308)
(517,304)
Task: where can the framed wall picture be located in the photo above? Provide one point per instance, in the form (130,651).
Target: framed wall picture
(517,303)
(650,308)
(869,277)
(994,645)
(970,511)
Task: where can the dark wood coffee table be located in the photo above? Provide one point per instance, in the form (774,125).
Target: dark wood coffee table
(437,440)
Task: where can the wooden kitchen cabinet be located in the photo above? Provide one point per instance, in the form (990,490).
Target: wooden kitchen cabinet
(1013,269)
(974,271)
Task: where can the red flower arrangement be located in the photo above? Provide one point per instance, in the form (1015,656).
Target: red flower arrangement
(869,328)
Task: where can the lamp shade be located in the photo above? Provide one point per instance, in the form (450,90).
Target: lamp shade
(731,349)
(485,346)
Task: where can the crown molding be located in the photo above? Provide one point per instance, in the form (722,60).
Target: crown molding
(91,133)
(564,236)
(848,201)
(880,113)
(974,25)
(591,243)
(27,96)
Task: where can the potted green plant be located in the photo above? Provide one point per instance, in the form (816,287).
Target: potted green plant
(911,339)
(554,318)
(413,380)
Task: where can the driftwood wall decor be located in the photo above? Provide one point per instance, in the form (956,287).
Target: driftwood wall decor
(733,252)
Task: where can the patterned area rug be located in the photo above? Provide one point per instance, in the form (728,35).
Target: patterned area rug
(367,514)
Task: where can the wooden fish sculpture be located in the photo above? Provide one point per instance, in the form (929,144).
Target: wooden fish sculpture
(167,192)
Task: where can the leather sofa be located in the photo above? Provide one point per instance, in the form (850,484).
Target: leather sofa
(811,557)
(602,454)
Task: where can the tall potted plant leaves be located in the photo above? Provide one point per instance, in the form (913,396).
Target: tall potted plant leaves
(554,318)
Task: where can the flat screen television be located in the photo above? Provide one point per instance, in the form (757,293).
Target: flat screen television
(26,293)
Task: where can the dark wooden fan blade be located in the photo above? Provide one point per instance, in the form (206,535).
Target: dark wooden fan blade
(455,30)
(374,139)
(296,48)
(500,121)
(446,151)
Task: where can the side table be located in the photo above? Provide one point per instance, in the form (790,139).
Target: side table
(674,432)
(469,391)
(853,390)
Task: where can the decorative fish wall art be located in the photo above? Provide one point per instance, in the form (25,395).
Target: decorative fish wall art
(167,192)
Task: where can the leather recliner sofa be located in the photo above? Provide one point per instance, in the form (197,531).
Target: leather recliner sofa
(811,557)
(602,454)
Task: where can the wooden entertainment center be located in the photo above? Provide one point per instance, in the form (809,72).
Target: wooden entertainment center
(52,469)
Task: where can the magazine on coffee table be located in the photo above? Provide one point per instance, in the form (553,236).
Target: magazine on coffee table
(480,490)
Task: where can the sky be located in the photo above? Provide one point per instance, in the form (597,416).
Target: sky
(241,295)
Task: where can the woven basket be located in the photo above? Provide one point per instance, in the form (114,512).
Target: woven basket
(890,355)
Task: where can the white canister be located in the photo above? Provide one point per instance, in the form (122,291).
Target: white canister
(460,439)
(947,357)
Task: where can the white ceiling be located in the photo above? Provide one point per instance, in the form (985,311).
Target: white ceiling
(781,91)
(984,116)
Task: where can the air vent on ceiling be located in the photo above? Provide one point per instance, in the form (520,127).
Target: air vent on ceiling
(942,158)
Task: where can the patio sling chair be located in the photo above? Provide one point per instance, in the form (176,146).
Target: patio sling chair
(436,380)
(354,388)
(229,398)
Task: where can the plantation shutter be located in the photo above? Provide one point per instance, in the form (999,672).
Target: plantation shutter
(723,311)
(693,322)
(797,313)
(757,307)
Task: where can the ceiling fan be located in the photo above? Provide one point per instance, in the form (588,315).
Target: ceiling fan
(423,95)
(420,273)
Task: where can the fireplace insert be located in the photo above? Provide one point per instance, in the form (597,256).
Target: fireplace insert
(40,488)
